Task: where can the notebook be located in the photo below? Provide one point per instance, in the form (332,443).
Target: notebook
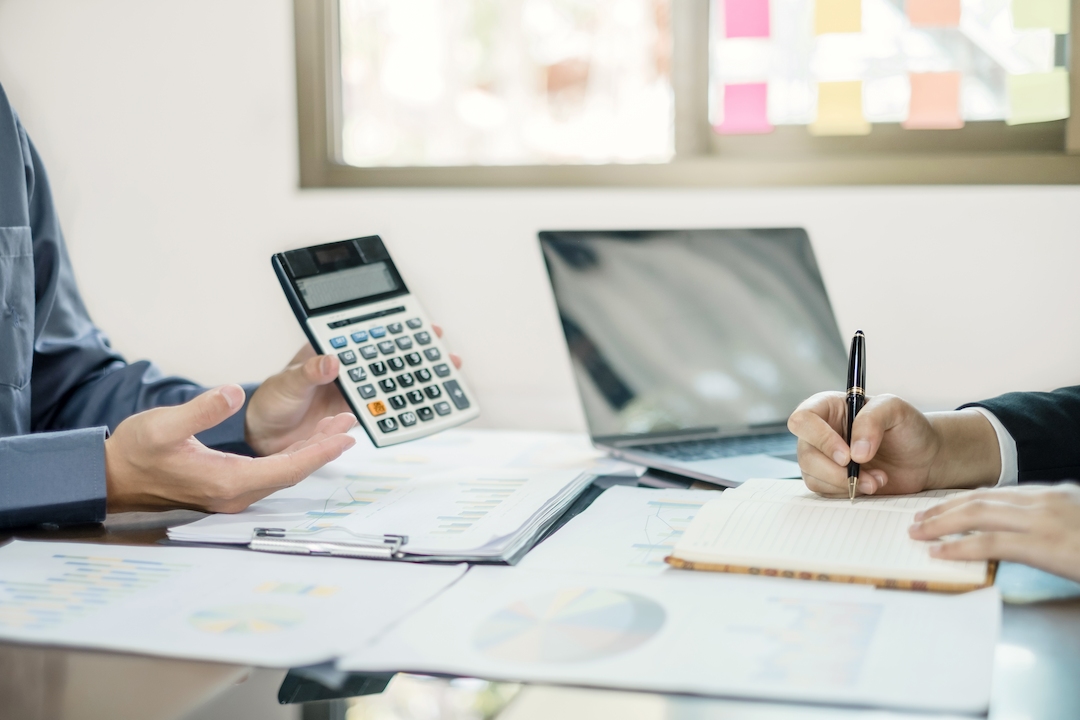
(779,528)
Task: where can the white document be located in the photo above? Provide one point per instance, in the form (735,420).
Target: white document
(779,523)
(460,448)
(218,605)
(627,530)
(478,512)
(706,634)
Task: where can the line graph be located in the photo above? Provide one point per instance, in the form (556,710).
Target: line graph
(665,523)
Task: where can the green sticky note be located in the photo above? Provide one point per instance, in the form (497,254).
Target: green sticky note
(1038,97)
(1053,14)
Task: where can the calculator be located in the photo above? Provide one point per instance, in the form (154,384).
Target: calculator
(395,373)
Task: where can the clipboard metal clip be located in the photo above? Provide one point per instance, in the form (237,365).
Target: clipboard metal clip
(334,541)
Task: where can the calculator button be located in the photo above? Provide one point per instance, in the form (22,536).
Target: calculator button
(414,358)
(423,375)
(422,338)
(394,327)
(386,347)
(357,374)
(347,358)
(433,391)
(407,418)
(395,363)
(376,408)
(377,332)
(404,343)
(338,342)
(413,324)
(415,397)
(442,370)
(388,425)
(366,391)
(456,394)
(405,380)
(432,354)
(377,368)
(396,401)
(368,351)
(387,385)
(443,408)
(359,336)
(424,413)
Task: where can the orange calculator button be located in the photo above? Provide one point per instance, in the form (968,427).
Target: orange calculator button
(376,408)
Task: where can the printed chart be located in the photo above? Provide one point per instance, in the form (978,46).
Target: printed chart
(246,619)
(83,583)
(665,523)
(570,625)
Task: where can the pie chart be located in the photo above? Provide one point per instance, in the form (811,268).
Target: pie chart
(569,625)
(246,619)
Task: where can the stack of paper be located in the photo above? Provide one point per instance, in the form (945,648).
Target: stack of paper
(219,605)
(467,514)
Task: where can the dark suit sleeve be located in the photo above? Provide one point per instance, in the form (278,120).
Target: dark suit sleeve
(1046,428)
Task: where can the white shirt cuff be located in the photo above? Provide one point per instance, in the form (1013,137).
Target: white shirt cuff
(1007,446)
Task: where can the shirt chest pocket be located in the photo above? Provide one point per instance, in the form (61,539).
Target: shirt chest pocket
(16,306)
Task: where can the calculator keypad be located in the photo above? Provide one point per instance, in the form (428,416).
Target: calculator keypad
(420,405)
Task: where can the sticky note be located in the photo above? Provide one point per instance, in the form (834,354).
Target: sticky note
(837,16)
(746,109)
(1053,14)
(1038,97)
(746,18)
(839,110)
(935,102)
(933,13)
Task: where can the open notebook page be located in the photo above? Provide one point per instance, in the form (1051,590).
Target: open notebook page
(780,524)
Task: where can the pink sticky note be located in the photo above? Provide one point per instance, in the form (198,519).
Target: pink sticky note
(746,18)
(745,110)
(933,13)
(935,102)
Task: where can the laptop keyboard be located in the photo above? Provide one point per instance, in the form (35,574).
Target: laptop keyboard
(710,448)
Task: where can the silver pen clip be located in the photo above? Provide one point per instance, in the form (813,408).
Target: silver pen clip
(332,541)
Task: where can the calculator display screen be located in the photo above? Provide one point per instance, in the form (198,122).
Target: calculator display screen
(349,285)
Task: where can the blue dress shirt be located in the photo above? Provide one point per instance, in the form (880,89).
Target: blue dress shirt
(62,387)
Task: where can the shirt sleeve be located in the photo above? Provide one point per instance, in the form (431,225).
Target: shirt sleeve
(1007,448)
(54,478)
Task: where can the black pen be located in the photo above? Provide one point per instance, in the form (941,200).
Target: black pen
(856,398)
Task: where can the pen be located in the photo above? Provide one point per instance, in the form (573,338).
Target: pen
(856,398)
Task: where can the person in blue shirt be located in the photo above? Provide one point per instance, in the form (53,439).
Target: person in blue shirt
(83,431)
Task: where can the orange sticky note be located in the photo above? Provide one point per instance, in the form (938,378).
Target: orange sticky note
(933,13)
(837,16)
(839,110)
(935,102)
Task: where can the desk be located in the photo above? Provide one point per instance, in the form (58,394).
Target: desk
(1035,674)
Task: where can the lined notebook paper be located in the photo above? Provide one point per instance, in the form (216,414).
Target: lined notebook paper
(778,527)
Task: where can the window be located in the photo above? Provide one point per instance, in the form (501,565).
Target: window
(685,92)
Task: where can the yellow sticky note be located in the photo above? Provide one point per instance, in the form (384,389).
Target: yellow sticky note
(839,110)
(837,16)
(1053,14)
(1038,97)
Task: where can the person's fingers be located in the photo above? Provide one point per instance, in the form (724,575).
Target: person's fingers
(250,479)
(1015,496)
(1010,546)
(821,473)
(317,370)
(172,424)
(437,329)
(302,355)
(811,423)
(333,425)
(974,515)
(880,414)
(456,359)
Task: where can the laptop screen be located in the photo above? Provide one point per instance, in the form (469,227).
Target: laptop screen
(693,329)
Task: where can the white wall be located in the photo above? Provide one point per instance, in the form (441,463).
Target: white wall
(170,134)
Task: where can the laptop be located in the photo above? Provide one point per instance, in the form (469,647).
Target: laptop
(691,348)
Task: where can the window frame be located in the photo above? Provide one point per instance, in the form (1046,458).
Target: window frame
(1038,154)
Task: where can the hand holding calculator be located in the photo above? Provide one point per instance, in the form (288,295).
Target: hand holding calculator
(395,373)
